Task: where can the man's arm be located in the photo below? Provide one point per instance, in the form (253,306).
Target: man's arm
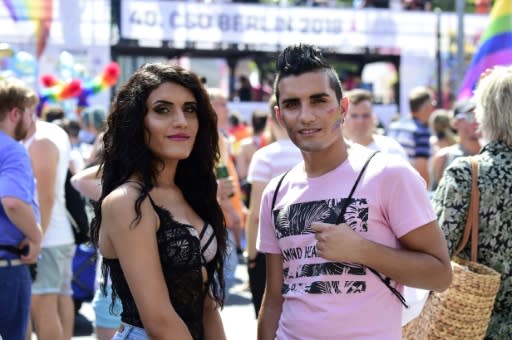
(45,157)
(22,215)
(423,262)
(272,305)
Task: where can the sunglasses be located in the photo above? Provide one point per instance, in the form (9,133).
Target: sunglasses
(467,116)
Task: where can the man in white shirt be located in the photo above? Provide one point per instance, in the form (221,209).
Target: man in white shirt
(359,125)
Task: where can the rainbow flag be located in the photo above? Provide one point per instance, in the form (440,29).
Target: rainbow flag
(495,47)
(38,11)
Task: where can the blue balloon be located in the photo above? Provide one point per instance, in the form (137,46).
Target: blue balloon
(23,64)
(66,65)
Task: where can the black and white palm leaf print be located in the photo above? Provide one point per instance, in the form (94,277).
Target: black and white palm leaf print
(296,219)
(356,216)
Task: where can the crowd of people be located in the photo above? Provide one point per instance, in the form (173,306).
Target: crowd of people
(332,216)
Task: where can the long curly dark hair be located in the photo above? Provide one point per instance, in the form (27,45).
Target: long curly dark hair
(126,154)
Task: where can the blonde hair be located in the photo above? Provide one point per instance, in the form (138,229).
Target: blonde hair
(493,98)
(440,123)
(356,96)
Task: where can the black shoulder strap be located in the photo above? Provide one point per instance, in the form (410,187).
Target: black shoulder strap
(346,202)
(277,190)
(144,191)
(385,280)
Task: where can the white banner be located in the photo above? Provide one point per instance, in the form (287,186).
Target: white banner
(263,24)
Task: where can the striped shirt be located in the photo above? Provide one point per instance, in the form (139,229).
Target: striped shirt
(413,136)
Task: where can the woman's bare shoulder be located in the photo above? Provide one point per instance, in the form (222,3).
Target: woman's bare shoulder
(120,202)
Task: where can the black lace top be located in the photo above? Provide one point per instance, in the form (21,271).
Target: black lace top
(182,255)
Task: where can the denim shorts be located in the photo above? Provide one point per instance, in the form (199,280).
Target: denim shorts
(129,332)
(101,305)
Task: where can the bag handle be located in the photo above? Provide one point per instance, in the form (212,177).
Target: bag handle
(472,221)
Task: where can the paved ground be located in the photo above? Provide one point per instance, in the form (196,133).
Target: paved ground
(237,315)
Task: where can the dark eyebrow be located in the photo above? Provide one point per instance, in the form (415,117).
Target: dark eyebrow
(289,100)
(319,95)
(163,102)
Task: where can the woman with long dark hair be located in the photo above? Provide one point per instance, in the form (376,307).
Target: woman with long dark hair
(158,224)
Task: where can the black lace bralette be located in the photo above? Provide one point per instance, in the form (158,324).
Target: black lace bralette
(184,256)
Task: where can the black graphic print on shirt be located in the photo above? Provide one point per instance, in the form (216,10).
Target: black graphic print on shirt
(302,271)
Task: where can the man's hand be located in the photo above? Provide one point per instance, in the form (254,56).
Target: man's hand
(34,248)
(337,243)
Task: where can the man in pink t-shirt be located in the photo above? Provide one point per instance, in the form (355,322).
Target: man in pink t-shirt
(340,281)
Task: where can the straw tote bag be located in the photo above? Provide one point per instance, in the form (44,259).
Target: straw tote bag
(464,309)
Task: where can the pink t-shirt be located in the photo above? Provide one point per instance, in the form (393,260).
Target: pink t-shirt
(326,300)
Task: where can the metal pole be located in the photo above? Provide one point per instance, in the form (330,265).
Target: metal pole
(461,64)
(438,59)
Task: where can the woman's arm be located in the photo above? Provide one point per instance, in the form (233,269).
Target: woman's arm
(213,328)
(135,246)
(88,183)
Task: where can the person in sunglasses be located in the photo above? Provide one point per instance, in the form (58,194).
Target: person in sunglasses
(465,124)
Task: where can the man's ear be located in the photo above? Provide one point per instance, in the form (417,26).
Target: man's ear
(344,103)
(279,116)
(14,115)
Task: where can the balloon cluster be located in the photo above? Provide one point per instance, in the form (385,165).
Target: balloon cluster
(19,64)
(56,90)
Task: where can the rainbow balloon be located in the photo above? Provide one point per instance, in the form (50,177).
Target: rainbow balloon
(106,79)
(495,47)
(40,12)
(56,90)
(60,91)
